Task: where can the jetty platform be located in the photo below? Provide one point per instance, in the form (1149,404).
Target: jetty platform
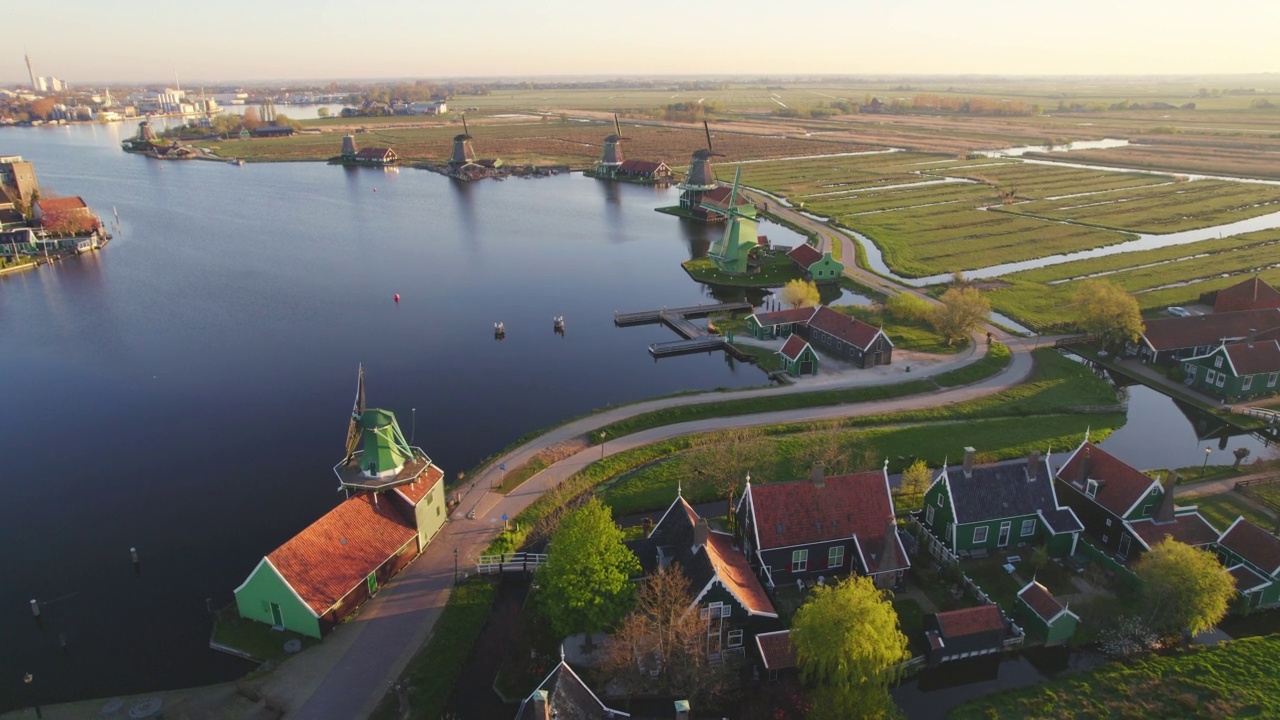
(696,338)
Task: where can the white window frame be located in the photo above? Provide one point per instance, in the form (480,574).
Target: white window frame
(1209,377)
(1091,488)
(1006,531)
(1246,382)
(1217,361)
(735,638)
(835,557)
(1028,528)
(985,533)
(928,516)
(1108,522)
(1222,379)
(800,560)
(1271,379)
(1125,542)
(939,499)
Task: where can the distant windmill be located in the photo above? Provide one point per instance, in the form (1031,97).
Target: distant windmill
(701,177)
(463,153)
(741,232)
(611,157)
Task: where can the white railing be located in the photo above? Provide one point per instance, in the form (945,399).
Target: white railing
(510,562)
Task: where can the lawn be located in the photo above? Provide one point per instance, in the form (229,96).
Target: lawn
(1161,209)
(1239,679)
(905,334)
(257,639)
(1222,509)
(776,270)
(432,671)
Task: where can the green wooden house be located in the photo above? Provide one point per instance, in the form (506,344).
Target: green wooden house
(820,267)
(798,357)
(1236,371)
(1252,556)
(975,510)
(780,324)
(1042,613)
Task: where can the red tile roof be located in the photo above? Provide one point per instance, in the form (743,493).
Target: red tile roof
(1253,544)
(1119,484)
(851,330)
(49,205)
(647,167)
(734,572)
(1172,333)
(718,197)
(1041,601)
(1187,528)
(1252,294)
(805,255)
(776,650)
(374,153)
(337,552)
(1246,579)
(971,621)
(784,317)
(846,505)
(794,346)
(1260,357)
(415,491)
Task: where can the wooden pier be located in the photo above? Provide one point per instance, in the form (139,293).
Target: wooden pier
(696,338)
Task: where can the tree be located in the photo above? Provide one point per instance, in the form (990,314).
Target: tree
(800,293)
(960,311)
(250,120)
(849,649)
(723,460)
(665,632)
(1241,453)
(1184,588)
(907,307)
(1107,312)
(915,479)
(322,112)
(586,584)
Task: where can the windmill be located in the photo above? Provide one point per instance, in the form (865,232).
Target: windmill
(463,153)
(701,178)
(730,253)
(384,458)
(611,156)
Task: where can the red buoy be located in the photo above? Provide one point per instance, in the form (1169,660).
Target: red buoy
(397,297)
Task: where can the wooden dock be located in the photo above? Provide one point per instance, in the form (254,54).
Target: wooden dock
(648,317)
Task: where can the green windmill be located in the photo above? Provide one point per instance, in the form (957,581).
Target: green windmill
(740,233)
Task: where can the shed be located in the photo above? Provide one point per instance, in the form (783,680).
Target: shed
(1042,611)
(777,655)
(798,357)
(962,634)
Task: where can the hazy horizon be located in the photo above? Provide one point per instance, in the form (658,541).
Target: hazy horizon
(135,42)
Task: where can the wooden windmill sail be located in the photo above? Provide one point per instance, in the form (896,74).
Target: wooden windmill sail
(463,153)
(356,428)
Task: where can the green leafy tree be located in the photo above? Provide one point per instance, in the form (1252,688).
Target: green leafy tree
(961,310)
(1183,587)
(849,649)
(586,584)
(800,293)
(322,112)
(915,480)
(1107,312)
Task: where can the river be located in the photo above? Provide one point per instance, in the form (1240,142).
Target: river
(186,390)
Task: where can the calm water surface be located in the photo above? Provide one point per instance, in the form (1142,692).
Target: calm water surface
(186,390)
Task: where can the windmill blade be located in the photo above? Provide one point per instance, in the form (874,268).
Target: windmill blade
(356,428)
(709,150)
(733,194)
(465,131)
(616,127)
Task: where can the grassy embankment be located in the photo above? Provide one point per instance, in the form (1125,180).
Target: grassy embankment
(776,270)
(1238,679)
(434,669)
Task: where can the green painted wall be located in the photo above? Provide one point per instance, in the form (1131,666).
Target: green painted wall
(943,515)
(431,514)
(826,270)
(1233,386)
(936,497)
(1059,632)
(265,586)
(793,368)
(1270,595)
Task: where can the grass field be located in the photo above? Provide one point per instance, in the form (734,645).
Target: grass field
(1238,679)
(1222,509)
(1161,208)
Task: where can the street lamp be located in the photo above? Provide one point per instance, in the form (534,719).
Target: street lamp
(27,680)
(601,444)
(1205,467)
(455,566)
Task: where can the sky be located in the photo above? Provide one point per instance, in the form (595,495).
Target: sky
(90,41)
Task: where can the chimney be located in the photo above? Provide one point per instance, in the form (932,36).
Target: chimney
(1086,464)
(1033,464)
(682,710)
(968,461)
(817,475)
(1164,511)
(1253,333)
(541,705)
(700,532)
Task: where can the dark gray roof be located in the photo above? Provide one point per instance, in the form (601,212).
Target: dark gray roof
(1062,520)
(569,698)
(672,540)
(1000,490)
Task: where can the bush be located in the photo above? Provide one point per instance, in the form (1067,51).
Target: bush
(909,308)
